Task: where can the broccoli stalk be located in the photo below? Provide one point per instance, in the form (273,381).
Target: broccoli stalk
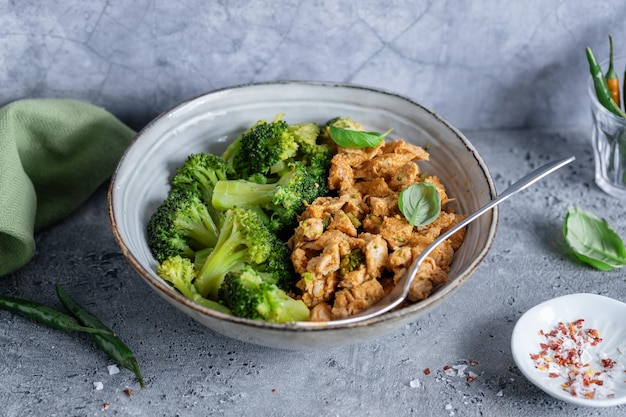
(180,273)
(181,225)
(281,201)
(243,238)
(248,295)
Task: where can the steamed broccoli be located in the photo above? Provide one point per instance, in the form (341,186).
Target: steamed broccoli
(281,201)
(181,225)
(313,152)
(248,295)
(243,238)
(352,261)
(259,148)
(199,174)
(180,273)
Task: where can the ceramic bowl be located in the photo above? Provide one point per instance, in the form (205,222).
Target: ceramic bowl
(209,122)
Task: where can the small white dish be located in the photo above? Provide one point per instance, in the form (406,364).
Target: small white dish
(606,315)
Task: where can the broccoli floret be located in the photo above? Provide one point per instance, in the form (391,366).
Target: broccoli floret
(243,238)
(315,155)
(181,225)
(259,148)
(248,295)
(180,273)
(199,174)
(282,201)
(352,261)
(278,268)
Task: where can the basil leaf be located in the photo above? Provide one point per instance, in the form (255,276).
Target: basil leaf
(593,240)
(420,203)
(356,138)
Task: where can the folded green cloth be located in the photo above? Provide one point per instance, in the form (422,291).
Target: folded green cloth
(54,153)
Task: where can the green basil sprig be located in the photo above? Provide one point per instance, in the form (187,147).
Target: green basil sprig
(593,240)
(356,138)
(420,203)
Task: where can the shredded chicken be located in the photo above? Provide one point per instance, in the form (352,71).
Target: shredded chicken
(363,217)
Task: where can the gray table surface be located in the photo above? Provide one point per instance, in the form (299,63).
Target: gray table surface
(190,370)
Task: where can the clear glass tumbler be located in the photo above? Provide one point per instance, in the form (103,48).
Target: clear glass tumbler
(608,137)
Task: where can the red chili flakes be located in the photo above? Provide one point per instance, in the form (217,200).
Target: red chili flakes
(427,371)
(608,363)
(473,362)
(128,392)
(273,389)
(565,354)
(470,378)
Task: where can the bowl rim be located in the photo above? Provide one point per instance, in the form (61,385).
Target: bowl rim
(436,297)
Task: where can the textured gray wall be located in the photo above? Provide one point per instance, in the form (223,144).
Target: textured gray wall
(479,64)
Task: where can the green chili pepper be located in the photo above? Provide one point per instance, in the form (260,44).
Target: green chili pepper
(47,315)
(110,344)
(602,89)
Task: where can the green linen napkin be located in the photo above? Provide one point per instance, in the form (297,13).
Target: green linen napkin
(54,153)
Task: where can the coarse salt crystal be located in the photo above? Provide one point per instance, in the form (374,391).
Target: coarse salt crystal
(416,383)
(113,369)
(98,385)
(499,394)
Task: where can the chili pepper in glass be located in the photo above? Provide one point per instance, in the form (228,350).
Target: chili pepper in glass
(608,131)
(612,80)
(602,92)
(47,315)
(112,345)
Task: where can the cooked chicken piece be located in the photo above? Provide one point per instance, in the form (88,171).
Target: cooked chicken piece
(428,276)
(346,243)
(317,289)
(371,224)
(457,238)
(355,206)
(354,278)
(383,206)
(405,176)
(321,312)
(401,258)
(399,146)
(321,207)
(309,229)
(376,187)
(396,231)
(350,301)
(326,262)
(340,221)
(299,259)
(376,254)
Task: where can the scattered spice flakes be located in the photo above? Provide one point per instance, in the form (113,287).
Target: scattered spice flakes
(128,391)
(273,389)
(473,362)
(565,354)
(105,406)
(427,371)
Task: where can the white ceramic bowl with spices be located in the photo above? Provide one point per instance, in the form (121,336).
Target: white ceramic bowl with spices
(584,332)
(209,122)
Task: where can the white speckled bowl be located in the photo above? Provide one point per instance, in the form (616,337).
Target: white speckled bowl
(209,122)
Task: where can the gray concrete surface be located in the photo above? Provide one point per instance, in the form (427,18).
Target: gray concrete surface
(478,63)
(191,371)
